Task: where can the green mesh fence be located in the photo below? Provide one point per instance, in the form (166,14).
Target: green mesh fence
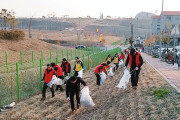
(25,78)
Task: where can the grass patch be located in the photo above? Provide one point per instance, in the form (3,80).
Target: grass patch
(116,43)
(160,93)
(155,56)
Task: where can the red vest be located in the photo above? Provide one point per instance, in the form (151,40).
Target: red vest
(59,72)
(137,59)
(122,56)
(48,76)
(67,66)
(97,69)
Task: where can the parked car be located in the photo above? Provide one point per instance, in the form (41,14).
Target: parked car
(80,47)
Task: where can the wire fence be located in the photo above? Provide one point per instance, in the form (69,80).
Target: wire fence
(23,82)
(30,59)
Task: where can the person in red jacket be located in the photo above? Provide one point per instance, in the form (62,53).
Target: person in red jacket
(122,56)
(48,74)
(59,74)
(135,62)
(66,67)
(99,69)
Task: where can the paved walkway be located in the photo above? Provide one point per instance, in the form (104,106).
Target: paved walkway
(168,71)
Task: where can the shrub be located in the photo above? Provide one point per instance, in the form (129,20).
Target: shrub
(12,34)
(161,92)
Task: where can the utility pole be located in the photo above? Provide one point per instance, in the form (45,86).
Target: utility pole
(161,29)
(30,27)
(131,40)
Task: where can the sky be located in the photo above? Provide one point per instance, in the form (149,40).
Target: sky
(83,8)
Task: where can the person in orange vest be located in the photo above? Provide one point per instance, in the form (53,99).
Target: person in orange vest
(59,74)
(66,67)
(48,75)
(122,56)
(99,69)
(116,60)
(135,62)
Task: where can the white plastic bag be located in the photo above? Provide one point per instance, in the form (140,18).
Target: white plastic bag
(59,81)
(103,77)
(80,74)
(121,62)
(86,99)
(124,80)
(110,72)
(53,81)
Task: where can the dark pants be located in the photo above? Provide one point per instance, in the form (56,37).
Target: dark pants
(72,99)
(60,86)
(44,90)
(76,73)
(117,65)
(98,79)
(135,78)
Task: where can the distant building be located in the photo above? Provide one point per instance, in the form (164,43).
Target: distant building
(165,22)
(144,15)
(101,16)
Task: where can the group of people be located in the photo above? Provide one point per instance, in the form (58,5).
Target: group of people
(72,84)
(134,60)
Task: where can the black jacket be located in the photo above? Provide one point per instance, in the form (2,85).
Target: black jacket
(73,87)
(134,61)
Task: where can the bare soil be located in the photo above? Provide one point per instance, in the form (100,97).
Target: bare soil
(111,102)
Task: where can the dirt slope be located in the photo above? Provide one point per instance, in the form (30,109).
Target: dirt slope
(111,103)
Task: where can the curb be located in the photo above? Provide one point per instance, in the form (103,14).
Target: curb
(165,78)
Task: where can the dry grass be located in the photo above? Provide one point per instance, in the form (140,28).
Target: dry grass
(111,103)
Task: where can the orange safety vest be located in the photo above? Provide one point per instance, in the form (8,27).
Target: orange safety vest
(67,66)
(59,72)
(97,69)
(48,76)
(137,59)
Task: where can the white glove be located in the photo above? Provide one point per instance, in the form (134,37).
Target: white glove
(137,68)
(68,74)
(68,99)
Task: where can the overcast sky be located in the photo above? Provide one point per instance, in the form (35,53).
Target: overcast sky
(83,8)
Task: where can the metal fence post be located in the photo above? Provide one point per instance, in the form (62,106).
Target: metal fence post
(42,57)
(62,54)
(50,56)
(71,53)
(17,78)
(6,61)
(56,60)
(40,74)
(33,58)
(57,56)
(21,59)
(67,56)
(88,61)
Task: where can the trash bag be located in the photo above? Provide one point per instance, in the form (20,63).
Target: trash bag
(80,74)
(53,81)
(110,72)
(86,99)
(124,80)
(58,81)
(121,63)
(103,77)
